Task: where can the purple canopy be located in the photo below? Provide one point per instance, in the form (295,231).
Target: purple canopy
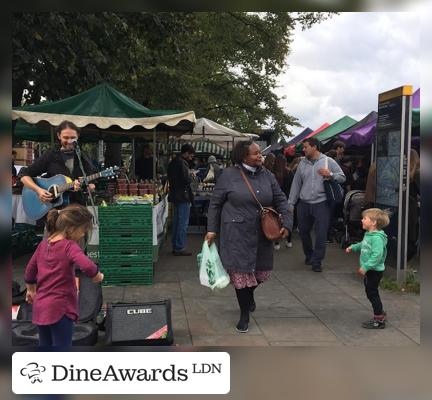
(415,103)
(362,133)
(300,136)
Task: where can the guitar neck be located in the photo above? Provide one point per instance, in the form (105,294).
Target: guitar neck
(68,186)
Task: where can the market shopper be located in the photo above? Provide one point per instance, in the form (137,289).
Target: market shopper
(180,194)
(234,215)
(312,208)
(413,204)
(284,177)
(339,148)
(213,170)
(269,162)
(144,164)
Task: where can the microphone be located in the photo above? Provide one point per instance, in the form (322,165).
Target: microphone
(73,142)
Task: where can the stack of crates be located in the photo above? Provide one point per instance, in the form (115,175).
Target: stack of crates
(126,244)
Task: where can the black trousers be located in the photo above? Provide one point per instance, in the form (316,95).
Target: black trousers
(371,283)
(313,216)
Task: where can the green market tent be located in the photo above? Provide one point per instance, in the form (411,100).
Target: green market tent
(103,113)
(334,129)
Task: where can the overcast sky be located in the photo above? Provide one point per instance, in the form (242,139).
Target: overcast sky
(339,67)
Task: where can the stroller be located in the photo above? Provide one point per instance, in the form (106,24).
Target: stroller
(354,204)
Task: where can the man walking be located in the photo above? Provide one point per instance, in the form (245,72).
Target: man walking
(312,208)
(180,194)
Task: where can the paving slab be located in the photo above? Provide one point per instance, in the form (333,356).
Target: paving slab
(240,339)
(157,291)
(300,343)
(191,287)
(306,281)
(295,329)
(113,294)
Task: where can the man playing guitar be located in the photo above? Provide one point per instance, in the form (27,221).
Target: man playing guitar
(61,160)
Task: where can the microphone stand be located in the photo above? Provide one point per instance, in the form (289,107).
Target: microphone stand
(78,153)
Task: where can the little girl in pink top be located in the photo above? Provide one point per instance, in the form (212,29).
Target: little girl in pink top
(50,275)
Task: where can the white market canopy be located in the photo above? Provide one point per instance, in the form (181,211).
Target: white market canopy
(210,130)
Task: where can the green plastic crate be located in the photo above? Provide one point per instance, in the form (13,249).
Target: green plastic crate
(126,240)
(128,220)
(125,232)
(126,208)
(127,276)
(125,211)
(127,281)
(108,254)
(126,260)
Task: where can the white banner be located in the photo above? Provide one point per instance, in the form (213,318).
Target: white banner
(160,215)
(121,373)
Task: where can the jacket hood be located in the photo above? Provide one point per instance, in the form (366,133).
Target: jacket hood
(322,155)
(380,233)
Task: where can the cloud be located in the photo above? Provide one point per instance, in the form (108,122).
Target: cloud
(340,66)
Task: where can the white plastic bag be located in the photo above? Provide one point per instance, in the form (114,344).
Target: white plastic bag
(210,177)
(211,271)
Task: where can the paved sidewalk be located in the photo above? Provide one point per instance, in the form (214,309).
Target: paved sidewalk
(296,307)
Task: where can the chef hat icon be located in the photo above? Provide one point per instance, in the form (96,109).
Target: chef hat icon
(32,371)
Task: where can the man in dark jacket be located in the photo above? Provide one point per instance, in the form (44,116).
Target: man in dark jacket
(180,194)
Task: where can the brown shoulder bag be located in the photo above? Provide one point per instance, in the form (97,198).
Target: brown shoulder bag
(271,223)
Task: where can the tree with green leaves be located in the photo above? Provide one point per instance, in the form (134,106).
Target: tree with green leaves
(222,65)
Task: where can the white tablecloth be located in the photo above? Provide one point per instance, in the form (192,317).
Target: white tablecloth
(18,213)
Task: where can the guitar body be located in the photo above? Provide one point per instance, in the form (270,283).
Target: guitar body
(36,209)
(57,186)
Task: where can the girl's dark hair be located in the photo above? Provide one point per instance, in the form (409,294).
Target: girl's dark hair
(269,162)
(331,153)
(294,164)
(337,144)
(66,125)
(280,168)
(240,151)
(69,219)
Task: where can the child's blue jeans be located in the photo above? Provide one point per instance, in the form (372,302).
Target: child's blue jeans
(58,334)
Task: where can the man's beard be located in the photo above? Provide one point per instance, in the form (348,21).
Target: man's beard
(67,149)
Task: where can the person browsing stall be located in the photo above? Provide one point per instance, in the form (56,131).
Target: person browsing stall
(180,194)
(144,165)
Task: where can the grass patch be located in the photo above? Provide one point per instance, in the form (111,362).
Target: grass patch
(412,285)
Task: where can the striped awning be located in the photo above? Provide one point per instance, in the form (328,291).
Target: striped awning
(202,146)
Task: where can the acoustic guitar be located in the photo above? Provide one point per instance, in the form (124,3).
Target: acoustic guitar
(57,186)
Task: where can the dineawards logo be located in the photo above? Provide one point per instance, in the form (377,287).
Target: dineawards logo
(121,373)
(72,373)
(33,371)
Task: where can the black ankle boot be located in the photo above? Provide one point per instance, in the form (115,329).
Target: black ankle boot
(243,298)
(252,306)
(243,324)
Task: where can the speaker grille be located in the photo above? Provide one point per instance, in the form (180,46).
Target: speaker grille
(138,322)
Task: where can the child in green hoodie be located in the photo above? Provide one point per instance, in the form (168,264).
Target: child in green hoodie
(373,252)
